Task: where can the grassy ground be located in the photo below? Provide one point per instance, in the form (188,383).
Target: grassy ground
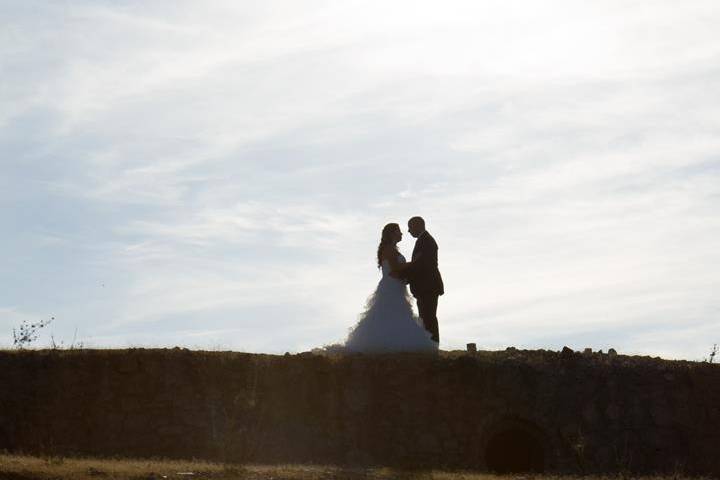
(17,467)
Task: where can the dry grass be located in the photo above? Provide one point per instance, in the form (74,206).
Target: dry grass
(19,467)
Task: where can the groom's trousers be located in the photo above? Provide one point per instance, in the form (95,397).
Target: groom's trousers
(427,308)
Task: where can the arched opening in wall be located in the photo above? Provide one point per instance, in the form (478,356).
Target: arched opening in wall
(515,448)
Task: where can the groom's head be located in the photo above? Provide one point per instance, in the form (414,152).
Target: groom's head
(416,226)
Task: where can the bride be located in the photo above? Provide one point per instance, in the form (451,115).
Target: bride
(388,323)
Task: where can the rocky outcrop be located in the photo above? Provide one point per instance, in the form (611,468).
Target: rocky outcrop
(502,411)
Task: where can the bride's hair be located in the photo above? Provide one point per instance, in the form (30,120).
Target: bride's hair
(386,239)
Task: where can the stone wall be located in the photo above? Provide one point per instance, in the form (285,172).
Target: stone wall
(504,411)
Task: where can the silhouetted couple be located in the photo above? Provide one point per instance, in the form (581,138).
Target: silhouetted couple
(388,323)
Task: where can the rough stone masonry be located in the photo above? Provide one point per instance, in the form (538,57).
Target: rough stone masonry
(505,411)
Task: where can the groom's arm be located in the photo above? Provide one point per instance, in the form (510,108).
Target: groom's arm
(426,259)
(419,261)
(403,270)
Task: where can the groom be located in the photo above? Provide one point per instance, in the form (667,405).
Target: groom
(423,275)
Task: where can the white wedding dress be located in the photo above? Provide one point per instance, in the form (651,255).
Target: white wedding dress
(388,323)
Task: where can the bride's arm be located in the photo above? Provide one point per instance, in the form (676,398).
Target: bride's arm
(403,267)
(390,254)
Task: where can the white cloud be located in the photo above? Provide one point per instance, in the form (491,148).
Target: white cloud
(183,167)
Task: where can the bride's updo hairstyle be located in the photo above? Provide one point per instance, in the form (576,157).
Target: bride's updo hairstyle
(386,239)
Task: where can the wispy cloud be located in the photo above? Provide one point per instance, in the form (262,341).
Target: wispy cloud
(218,175)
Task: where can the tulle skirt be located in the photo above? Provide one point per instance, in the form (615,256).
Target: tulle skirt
(388,323)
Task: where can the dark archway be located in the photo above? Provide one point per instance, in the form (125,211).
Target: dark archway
(515,448)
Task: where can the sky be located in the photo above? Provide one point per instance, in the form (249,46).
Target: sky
(215,175)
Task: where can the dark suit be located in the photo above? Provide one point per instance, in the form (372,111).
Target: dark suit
(425,281)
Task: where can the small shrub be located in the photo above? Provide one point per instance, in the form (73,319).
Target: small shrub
(28,332)
(713,353)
